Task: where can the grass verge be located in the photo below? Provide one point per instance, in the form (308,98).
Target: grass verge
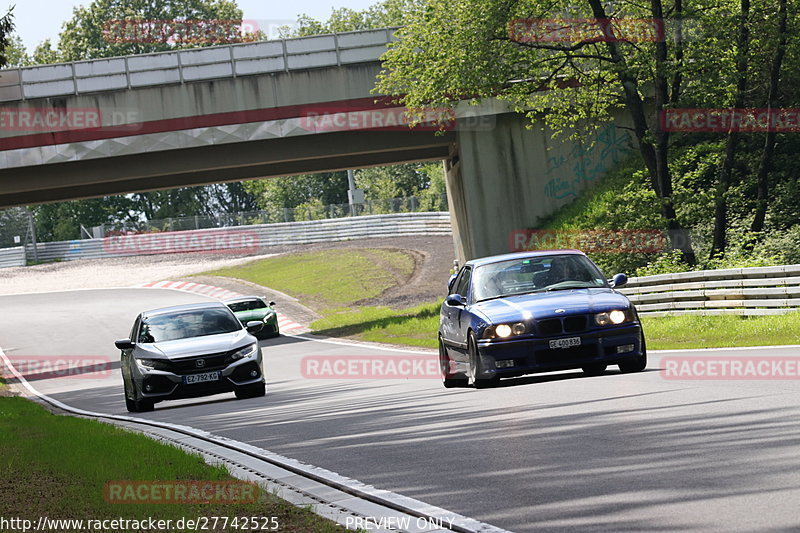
(328,278)
(57,467)
(676,332)
(416,326)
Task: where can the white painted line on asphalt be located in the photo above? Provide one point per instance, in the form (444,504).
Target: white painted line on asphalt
(353,504)
(370,345)
(733,348)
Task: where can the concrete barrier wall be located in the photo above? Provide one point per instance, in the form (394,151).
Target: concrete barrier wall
(741,291)
(239,239)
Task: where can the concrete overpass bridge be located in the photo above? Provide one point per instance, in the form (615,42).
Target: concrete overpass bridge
(255,110)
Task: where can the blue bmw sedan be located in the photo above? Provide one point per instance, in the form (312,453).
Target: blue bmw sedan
(542,311)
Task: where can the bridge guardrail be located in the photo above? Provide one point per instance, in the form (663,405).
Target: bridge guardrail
(252,238)
(741,291)
(193,64)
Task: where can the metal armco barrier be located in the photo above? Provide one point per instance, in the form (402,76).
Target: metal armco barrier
(238,239)
(740,291)
(12,257)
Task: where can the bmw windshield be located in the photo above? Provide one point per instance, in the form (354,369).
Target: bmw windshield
(533,274)
(183,325)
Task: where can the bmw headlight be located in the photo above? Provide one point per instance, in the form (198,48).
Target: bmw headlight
(614,317)
(503,331)
(247,351)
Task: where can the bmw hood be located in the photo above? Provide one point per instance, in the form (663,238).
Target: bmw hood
(542,305)
(198,345)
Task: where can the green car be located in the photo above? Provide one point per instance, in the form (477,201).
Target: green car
(250,308)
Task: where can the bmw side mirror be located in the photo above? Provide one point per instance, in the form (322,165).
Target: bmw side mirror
(456,300)
(272,304)
(124,344)
(618,280)
(254,326)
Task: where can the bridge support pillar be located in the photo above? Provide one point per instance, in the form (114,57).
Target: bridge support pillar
(510,178)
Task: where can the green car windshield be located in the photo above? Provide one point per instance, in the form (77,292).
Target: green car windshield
(247,305)
(521,276)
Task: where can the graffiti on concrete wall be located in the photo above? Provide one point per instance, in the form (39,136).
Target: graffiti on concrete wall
(581,165)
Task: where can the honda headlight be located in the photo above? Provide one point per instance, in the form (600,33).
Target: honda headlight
(247,351)
(149,364)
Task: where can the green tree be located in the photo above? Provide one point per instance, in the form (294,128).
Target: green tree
(90,35)
(62,221)
(275,194)
(15,52)
(13,223)
(44,54)
(385,14)
(451,51)
(6,42)
(107,28)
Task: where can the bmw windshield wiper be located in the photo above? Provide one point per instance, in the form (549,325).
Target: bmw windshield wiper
(548,289)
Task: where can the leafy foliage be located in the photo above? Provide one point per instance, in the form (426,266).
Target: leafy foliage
(623,200)
(98,30)
(7,45)
(384,14)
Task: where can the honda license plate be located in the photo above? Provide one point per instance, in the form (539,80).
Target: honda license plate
(201,378)
(569,342)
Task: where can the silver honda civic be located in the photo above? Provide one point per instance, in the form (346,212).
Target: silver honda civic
(189,351)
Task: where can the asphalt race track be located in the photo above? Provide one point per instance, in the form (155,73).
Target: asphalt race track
(558,452)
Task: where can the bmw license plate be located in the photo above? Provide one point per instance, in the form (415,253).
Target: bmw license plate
(201,378)
(569,342)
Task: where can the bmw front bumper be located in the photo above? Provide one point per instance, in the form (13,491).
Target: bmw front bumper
(531,354)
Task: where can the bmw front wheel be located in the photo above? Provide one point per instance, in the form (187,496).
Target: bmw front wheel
(477,371)
(449,379)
